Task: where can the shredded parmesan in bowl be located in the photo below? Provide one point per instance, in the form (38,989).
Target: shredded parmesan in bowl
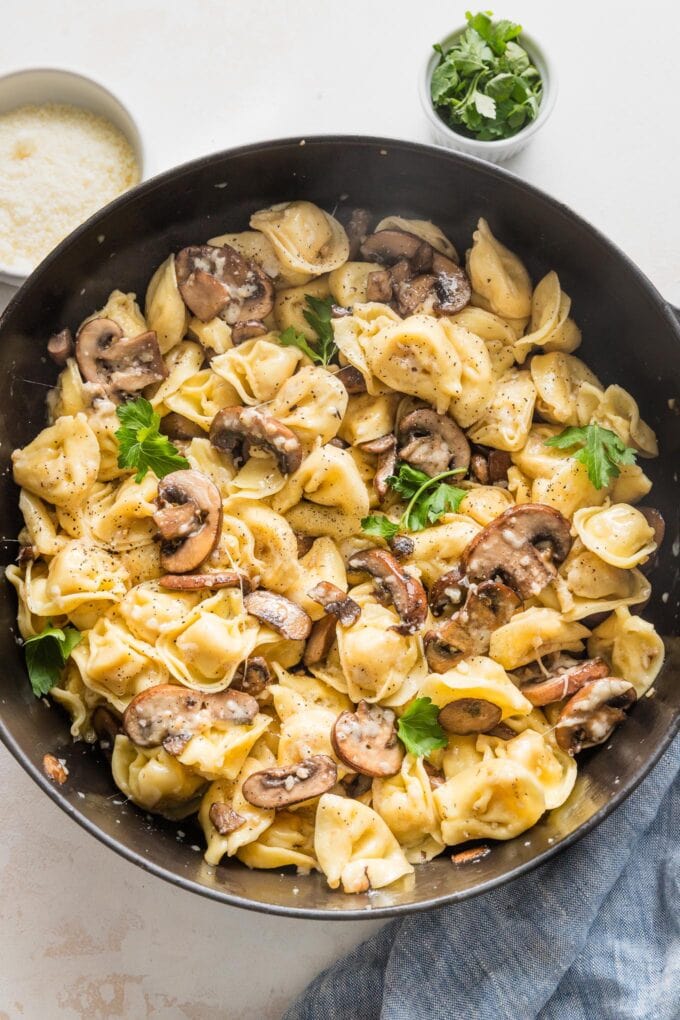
(58,165)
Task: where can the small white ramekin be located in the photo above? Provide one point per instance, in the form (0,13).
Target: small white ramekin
(500,149)
(54,85)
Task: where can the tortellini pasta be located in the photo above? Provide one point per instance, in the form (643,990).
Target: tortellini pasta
(343,539)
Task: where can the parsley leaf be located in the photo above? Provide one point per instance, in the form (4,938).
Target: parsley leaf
(141,446)
(46,653)
(418,729)
(485,85)
(428,498)
(599,449)
(319,315)
(291,338)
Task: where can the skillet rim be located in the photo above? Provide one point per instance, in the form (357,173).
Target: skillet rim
(322,913)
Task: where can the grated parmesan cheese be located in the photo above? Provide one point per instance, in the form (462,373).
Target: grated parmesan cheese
(58,165)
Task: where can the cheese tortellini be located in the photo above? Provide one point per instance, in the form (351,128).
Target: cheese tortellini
(391,557)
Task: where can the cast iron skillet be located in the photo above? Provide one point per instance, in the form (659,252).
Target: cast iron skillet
(630,337)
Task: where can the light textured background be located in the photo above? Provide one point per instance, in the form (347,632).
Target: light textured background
(83,933)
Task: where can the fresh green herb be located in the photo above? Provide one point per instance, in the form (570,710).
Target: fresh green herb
(485,85)
(600,450)
(319,314)
(428,498)
(418,729)
(46,653)
(141,445)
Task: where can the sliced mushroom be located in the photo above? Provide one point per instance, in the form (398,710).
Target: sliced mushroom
(197,582)
(279,613)
(356,785)
(189,518)
(238,430)
(320,641)
(402,546)
(379,286)
(252,677)
(432,442)
(290,784)
(452,286)
(366,741)
(448,592)
(176,426)
(563,681)
(389,246)
(119,364)
(394,585)
(336,602)
(490,466)
(224,818)
(352,379)
(590,716)
(487,607)
(218,281)
(357,230)
(339,443)
(340,312)
(522,547)
(107,727)
(247,330)
(412,293)
(469,715)
(60,347)
(304,543)
(436,776)
(385,448)
(170,715)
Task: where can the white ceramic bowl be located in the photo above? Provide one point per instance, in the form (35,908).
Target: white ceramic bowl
(52,85)
(500,149)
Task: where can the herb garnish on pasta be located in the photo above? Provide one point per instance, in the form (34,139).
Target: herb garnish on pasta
(600,450)
(319,315)
(428,499)
(418,729)
(140,444)
(46,653)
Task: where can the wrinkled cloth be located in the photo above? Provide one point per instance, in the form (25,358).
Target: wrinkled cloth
(593,934)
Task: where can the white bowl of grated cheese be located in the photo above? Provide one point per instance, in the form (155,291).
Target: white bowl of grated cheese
(67,147)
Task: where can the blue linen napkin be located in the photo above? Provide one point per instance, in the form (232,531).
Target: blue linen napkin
(594,934)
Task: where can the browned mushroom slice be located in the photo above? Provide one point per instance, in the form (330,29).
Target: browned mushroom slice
(218,281)
(224,818)
(176,426)
(107,727)
(356,785)
(247,330)
(279,613)
(366,741)
(395,585)
(490,466)
(304,543)
(119,364)
(340,312)
(502,731)
(436,776)
(357,230)
(564,681)
(389,246)
(379,286)
(338,443)
(432,442)
(170,715)
(189,518)
(452,286)
(196,582)
(522,547)
(252,676)
(413,293)
(60,347)
(590,716)
(469,715)
(352,379)
(320,641)
(487,607)
(336,602)
(238,430)
(290,784)
(448,592)
(479,468)
(385,448)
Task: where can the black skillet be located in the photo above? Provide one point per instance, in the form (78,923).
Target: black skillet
(630,337)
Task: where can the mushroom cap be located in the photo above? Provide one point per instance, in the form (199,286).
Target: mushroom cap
(385,448)
(352,379)
(189,518)
(590,715)
(252,676)
(60,347)
(170,715)
(452,287)
(321,639)
(290,784)
(280,613)
(176,426)
(336,602)
(469,715)
(468,632)
(432,442)
(107,725)
(237,430)
(119,364)
(198,582)
(389,246)
(564,681)
(522,547)
(224,818)
(215,280)
(449,590)
(366,741)
(247,330)
(394,585)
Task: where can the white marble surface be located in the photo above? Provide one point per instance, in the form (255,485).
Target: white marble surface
(83,933)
